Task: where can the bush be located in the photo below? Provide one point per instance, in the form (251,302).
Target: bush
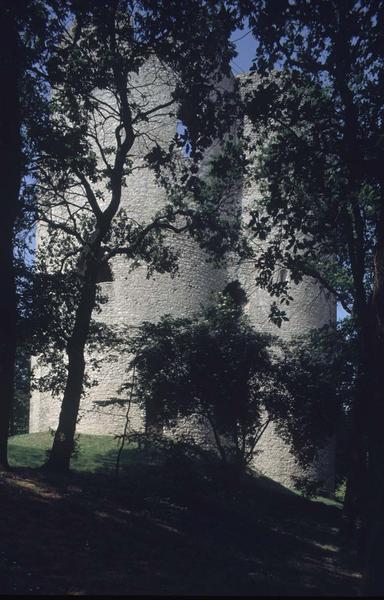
(213,366)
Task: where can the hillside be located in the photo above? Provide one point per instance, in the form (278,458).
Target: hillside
(168,528)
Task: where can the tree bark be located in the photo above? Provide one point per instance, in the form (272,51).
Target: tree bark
(355,494)
(10,159)
(355,498)
(60,456)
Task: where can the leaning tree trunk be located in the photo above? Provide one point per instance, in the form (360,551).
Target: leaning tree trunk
(10,152)
(60,455)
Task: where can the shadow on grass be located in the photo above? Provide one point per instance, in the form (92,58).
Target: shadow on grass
(165,528)
(36,457)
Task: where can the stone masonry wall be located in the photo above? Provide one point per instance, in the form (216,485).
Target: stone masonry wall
(311,308)
(132,298)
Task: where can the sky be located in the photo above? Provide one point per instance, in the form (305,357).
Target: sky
(246,46)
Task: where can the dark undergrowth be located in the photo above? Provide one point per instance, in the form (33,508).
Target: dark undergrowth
(166,526)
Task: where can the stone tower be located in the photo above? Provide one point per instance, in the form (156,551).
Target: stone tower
(132,298)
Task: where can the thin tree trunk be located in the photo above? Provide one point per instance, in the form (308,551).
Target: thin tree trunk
(127,421)
(354,500)
(10,157)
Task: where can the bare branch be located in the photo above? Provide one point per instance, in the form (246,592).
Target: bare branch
(144,115)
(63,227)
(156,224)
(90,195)
(312,272)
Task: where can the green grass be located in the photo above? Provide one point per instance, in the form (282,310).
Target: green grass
(98,453)
(94,452)
(171,527)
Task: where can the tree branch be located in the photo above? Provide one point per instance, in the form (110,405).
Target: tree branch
(312,272)
(144,115)
(90,195)
(63,227)
(156,224)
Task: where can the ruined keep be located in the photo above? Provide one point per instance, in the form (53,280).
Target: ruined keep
(133,298)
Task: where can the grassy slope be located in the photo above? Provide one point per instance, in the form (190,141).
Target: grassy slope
(160,530)
(95,452)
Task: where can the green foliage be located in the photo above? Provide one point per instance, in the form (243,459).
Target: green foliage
(213,366)
(121,71)
(28,31)
(48,323)
(319,105)
(318,370)
(316,107)
(84,139)
(20,410)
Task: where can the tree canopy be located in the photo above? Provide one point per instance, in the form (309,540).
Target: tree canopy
(123,71)
(320,97)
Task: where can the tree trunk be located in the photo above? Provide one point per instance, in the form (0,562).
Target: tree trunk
(374,556)
(153,421)
(374,549)
(60,456)
(354,500)
(10,156)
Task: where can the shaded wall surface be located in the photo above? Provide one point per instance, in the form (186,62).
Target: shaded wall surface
(133,298)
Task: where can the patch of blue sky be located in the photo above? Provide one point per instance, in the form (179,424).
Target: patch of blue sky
(246,45)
